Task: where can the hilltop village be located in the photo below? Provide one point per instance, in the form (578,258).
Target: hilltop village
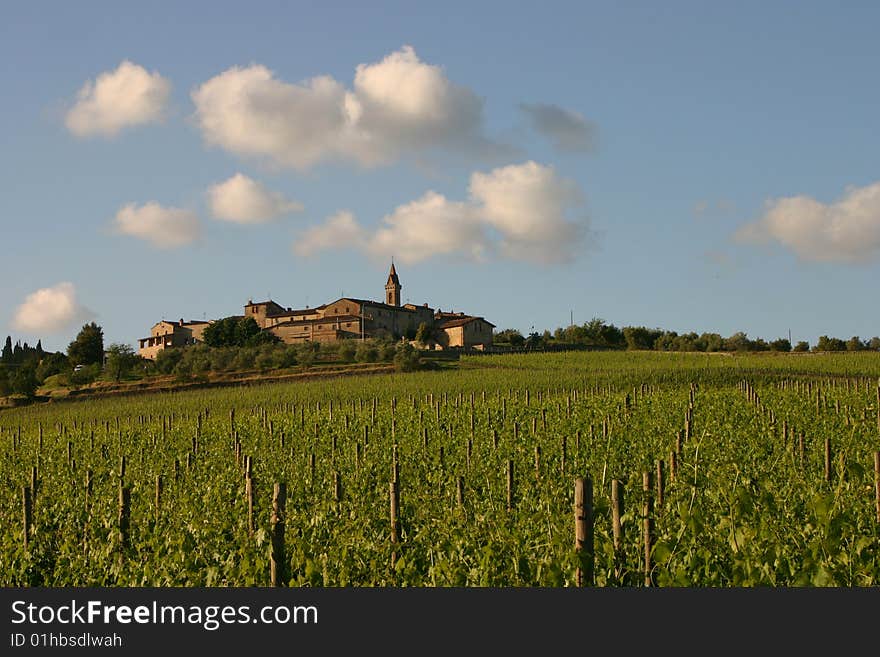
(346,318)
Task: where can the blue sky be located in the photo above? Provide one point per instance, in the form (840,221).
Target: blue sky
(718,167)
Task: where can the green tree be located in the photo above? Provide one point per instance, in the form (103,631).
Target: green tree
(423,334)
(781,344)
(7,351)
(87,374)
(640,337)
(509,336)
(88,347)
(406,359)
(244,359)
(713,341)
(287,356)
(739,341)
(307,353)
(347,350)
(874,344)
(23,381)
(829,344)
(167,359)
(366,353)
(802,346)
(387,349)
(121,359)
(51,365)
(855,344)
(666,341)
(236,332)
(221,359)
(266,359)
(247,332)
(220,333)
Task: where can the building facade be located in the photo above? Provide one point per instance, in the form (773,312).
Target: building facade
(347,318)
(167,334)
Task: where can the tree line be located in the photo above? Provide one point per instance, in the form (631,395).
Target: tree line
(601,334)
(236,343)
(23,369)
(229,344)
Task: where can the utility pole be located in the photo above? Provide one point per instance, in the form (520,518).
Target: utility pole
(571,318)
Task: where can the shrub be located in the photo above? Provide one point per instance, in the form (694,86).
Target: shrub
(406,358)
(347,350)
(244,359)
(387,351)
(221,359)
(366,353)
(287,356)
(87,374)
(167,360)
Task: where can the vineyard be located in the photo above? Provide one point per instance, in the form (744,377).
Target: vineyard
(565,469)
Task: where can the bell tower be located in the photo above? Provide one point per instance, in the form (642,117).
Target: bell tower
(392,288)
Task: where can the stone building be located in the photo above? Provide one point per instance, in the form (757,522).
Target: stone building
(463,332)
(344,319)
(167,334)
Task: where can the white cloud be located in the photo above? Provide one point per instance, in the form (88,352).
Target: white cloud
(128,96)
(847,230)
(166,228)
(49,310)
(431,226)
(245,201)
(398,106)
(521,212)
(529,206)
(568,130)
(339,232)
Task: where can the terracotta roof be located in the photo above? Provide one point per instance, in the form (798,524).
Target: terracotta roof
(285,312)
(454,323)
(333,319)
(378,304)
(295,312)
(262,303)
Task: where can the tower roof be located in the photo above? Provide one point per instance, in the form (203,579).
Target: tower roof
(392,276)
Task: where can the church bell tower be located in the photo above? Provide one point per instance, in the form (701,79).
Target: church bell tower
(392,288)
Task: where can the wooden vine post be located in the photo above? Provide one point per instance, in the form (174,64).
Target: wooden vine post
(277,560)
(828,460)
(583,530)
(395,535)
(26,513)
(617,510)
(660,483)
(510,485)
(249,494)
